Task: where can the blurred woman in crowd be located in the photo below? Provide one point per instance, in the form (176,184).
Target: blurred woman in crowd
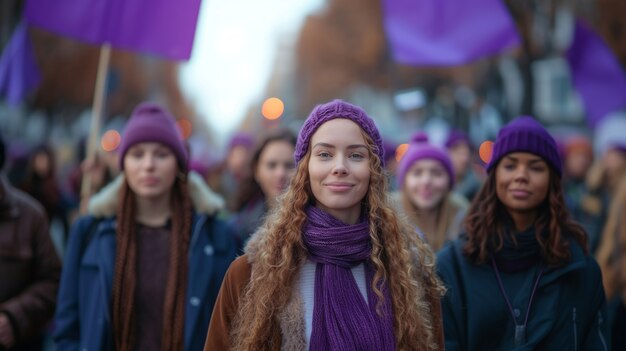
(144,267)
(460,150)
(426,179)
(577,158)
(41,183)
(521,277)
(332,268)
(270,170)
(604,176)
(226,177)
(612,259)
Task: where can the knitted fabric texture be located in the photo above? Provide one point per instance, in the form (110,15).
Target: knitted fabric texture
(525,134)
(421,149)
(150,122)
(337,109)
(342,318)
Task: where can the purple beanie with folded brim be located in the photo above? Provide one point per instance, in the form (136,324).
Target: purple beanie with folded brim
(150,122)
(332,110)
(525,134)
(421,149)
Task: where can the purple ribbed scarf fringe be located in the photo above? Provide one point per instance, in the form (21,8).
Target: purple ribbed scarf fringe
(342,319)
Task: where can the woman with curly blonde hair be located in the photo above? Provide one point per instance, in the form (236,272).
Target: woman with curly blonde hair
(332,267)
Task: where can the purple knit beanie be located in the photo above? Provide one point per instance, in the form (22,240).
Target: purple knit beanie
(150,122)
(421,149)
(456,136)
(337,109)
(241,139)
(525,134)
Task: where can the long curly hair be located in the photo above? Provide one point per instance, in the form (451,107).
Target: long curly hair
(400,258)
(486,218)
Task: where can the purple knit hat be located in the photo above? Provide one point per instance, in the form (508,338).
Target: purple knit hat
(241,139)
(456,136)
(421,149)
(150,122)
(525,134)
(337,109)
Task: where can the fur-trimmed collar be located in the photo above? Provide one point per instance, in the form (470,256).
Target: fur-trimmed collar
(203,198)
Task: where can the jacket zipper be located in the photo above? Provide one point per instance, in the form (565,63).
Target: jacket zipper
(575,332)
(600,321)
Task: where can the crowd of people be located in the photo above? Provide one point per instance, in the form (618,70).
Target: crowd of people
(325,239)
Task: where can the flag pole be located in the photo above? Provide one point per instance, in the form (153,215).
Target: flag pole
(96,122)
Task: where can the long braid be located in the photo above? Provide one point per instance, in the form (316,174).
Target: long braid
(174,307)
(125,276)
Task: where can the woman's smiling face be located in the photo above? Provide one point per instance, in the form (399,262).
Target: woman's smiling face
(339,168)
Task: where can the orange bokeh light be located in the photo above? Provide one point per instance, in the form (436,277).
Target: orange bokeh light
(185,127)
(401,150)
(485,151)
(110,140)
(273,108)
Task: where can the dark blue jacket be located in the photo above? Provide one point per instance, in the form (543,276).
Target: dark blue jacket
(567,313)
(83,317)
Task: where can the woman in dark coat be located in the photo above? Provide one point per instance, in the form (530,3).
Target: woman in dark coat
(143,270)
(521,278)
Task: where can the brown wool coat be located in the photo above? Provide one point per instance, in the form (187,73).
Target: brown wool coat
(291,320)
(29,266)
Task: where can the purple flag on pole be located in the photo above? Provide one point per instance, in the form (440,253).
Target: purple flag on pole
(161,27)
(597,75)
(446,32)
(19,74)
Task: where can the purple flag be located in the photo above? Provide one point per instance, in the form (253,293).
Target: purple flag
(160,27)
(19,74)
(597,75)
(447,32)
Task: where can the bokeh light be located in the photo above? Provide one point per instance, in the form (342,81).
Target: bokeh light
(401,150)
(110,140)
(485,151)
(185,127)
(273,108)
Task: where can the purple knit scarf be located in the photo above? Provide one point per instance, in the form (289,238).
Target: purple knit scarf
(342,319)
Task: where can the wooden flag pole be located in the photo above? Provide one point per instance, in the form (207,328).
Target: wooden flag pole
(96,123)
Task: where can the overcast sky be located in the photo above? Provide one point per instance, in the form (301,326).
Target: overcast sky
(233,51)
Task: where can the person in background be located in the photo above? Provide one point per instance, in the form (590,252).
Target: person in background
(101,171)
(227,177)
(601,184)
(460,150)
(391,164)
(521,277)
(612,260)
(426,179)
(144,267)
(29,268)
(577,158)
(41,183)
(333,267)
(270,170)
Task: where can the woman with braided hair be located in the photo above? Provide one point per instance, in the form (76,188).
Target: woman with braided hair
(143,269)
(332,267)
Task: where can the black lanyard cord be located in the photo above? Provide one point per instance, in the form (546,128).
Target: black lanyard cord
(520,329)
